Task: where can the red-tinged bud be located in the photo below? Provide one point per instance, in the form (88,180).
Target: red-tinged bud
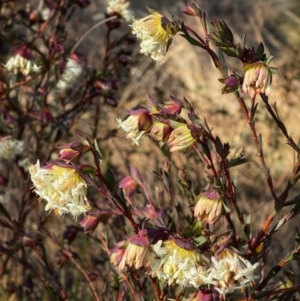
(71,151)
(117,253)
(172,109)
(47,117)
(129,186)
(192,10)
(24,52)
(145,121)
(89,223)
(231,81)
(148,212)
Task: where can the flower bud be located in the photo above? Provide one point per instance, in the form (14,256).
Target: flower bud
(22,62)
(181,138)
(117,253)
(89,223)
(192,9)
(129,186)
(208,207)
(138,251)
(257,79)
(71,151)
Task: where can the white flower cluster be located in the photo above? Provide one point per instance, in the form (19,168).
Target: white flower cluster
(120,7)
(154,38)
(174,261)
(70,75)
(62,187)
(175,264)
(18,63)
(10,148)
(230,272)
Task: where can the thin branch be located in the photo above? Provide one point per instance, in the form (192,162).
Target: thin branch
(90,30)
(70,256)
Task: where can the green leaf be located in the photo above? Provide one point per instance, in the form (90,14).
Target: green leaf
(96,147)
(110,178)
(192,40)
(222,61)
(200,240)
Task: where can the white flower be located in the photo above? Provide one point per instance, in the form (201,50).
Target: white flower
(208,207)
(136,124)
(70,75)
(177,264)
(130,126)
(154,37)
(230,272)
(257,78)
(62,187)
(10,148)
(135,256)
(120,7)
(18,63)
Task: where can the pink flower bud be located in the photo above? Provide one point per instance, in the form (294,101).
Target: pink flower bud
(89,223)
(71,151)
(129,186)
(191,10)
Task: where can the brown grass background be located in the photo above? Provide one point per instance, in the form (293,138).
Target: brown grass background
(188,72)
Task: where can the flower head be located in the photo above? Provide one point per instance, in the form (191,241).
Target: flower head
(136,124)
(62,187)
(155,32)
(71,73)
(181,138)
(138,252)
(22,62)
(231,271)
(177,261)
(208,207)
(257,78)
(10,148)
(120,7)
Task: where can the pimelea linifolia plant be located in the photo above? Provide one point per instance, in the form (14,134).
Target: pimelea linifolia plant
(156,250)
